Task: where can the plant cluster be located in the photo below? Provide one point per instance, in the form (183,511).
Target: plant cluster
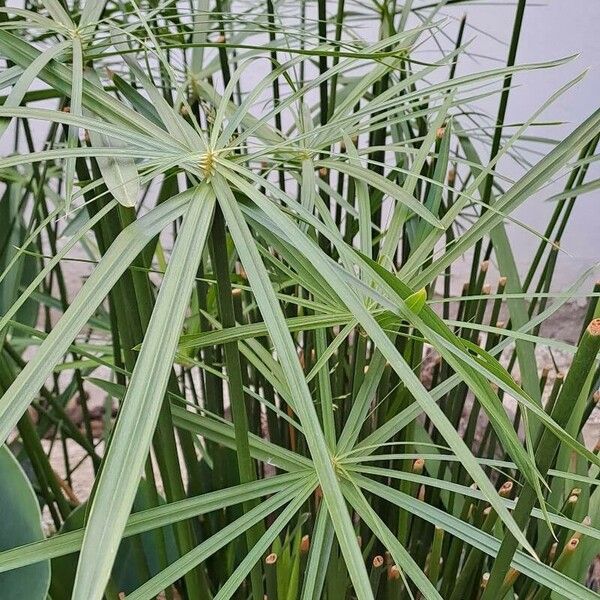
(263,204)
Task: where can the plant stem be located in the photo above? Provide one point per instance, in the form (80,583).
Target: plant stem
(546,450)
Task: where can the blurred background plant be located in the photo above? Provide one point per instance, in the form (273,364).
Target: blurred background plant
(267,367)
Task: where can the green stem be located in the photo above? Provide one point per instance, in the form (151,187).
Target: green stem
(235,381)
(546,450)
(497,138)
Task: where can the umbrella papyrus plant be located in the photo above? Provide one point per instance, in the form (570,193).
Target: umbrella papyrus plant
(268,204)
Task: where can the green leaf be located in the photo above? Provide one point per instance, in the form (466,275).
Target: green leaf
(258,551)
(125,248)
(485,542)
(119,172)
(137,557)
(75,108)
(94,98)
(385,185)
(28,77)
(396,360)
(303,404)
(21,523)
(416,301)
(147,520)
(400,555)
(131,438)
(235,528)
(58,13)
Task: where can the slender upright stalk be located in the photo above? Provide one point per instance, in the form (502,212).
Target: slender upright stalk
(546,450)
(235,382)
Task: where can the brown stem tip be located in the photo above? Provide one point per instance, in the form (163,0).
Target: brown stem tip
(378,561)
(572,545)
(418,466)
(506,489)
(594,327)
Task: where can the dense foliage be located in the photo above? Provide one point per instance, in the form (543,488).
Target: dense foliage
(267,365)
